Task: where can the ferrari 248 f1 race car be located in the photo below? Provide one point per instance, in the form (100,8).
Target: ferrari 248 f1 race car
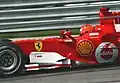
(96,44)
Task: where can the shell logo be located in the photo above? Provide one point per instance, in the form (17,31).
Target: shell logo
(38,45)
(85,47)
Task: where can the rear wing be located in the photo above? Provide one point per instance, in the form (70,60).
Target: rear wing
(110,20)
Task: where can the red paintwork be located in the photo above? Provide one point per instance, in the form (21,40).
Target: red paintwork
(106,32)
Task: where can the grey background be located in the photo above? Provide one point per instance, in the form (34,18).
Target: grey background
(29,15)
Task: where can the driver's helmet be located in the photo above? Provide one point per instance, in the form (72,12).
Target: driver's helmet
(87,28)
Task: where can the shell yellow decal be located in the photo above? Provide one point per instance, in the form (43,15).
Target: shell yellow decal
(85,47)
(38,45)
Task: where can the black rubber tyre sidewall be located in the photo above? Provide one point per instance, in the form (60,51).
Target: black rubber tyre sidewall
(18,66)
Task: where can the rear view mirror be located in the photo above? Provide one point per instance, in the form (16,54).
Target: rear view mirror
(68,33)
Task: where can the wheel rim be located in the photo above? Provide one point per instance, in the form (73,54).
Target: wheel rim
(8,60)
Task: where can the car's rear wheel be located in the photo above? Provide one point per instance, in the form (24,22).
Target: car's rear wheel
(10,60)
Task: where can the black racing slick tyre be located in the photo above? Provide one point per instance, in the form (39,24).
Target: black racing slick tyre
(10,59)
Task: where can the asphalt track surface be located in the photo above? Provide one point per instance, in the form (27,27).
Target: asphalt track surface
(106,74)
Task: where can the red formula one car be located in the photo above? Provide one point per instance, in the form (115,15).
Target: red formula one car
(95,45)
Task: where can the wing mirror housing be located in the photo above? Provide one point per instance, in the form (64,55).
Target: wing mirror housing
(66,34)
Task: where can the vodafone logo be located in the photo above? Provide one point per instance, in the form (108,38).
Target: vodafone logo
(106,52)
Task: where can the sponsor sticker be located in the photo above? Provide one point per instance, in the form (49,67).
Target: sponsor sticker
(38,45)
(85,47)
(93,34)
(106,52)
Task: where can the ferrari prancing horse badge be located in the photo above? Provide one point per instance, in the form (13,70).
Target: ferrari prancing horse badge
(38,45)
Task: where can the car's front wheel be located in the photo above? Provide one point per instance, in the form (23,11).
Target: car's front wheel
(10,60)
